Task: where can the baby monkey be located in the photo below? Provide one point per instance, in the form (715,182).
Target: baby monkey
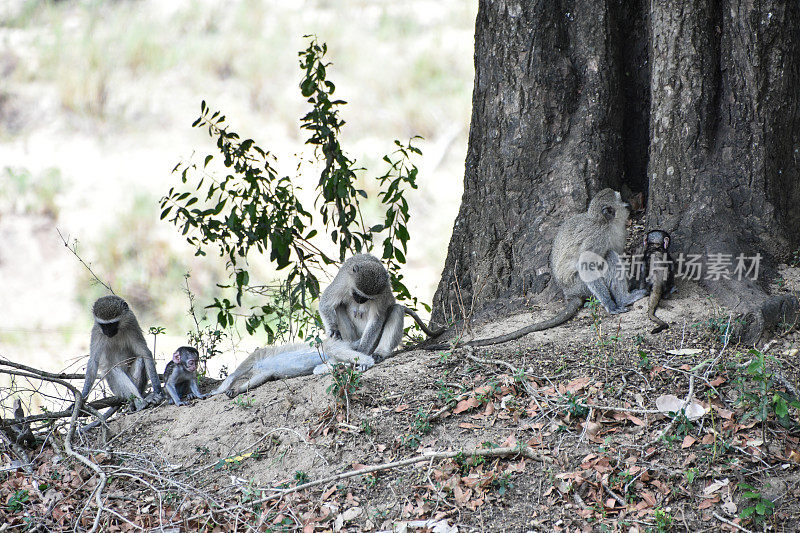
(657,273)
(180,376)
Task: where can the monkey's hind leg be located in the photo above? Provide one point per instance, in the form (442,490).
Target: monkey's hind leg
(392,333)
(122,386)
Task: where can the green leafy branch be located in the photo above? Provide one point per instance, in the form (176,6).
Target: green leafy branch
(252,209)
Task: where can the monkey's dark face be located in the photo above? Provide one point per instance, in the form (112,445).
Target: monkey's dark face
(359,298)
(110,329)
(657,240)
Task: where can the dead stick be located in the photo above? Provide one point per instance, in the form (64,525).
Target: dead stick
(71,452)
(725,520)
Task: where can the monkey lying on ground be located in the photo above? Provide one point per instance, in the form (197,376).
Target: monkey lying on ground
(657,273)
(180,376)
(359,308)
(584,263)
(289,361)
(119,353)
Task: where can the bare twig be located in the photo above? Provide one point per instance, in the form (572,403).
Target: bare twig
(726,521)
(74,250)
(98,490)
(525,451)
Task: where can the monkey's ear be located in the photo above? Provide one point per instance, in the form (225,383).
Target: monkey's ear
(609,212)
(176,357)
(666,242)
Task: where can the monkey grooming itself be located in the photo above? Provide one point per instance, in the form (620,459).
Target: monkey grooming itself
(359,308)
(583,242)
(119,353)
(657,273)
(289,361)
(180,376)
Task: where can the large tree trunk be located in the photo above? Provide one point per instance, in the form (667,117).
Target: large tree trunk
(564,93)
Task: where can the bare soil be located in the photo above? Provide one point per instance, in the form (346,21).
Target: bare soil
(610,474)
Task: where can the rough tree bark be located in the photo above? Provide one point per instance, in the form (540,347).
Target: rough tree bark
(694,103)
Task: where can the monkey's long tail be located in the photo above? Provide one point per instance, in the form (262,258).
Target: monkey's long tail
(655,297)
(571,309)
(430,333)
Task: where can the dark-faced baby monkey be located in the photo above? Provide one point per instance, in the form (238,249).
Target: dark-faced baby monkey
(657,273)
(585,262)
(180,376)
(119,354)
(359,308)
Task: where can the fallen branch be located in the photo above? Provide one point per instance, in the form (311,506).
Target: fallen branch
(98,490)
(89,408)
(524,451)
(34,373)
(726,521)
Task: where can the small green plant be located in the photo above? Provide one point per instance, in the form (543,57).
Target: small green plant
(367,428)
(758,393)
(574,407)
(300,477)
(370,480)
(18,501)
(410,441)
(492,388)
(663,520)
(795,262)
(644,361)
(155,331)
(502,483)
(691,474)
(346,379)
(421,424)
(468,462)
(245,402)
(760,508)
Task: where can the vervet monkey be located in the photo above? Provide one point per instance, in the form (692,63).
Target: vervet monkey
(585,262)
(657,273)
(359,308)
(180,376)
(289,361)
(119,353)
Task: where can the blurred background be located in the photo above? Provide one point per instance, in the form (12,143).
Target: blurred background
(96,103)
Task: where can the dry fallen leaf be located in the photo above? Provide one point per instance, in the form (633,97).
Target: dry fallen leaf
(669,403)
(464,405)
(685,351)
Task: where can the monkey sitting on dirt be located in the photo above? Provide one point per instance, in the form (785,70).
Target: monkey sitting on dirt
(585,262)
(119,353)
(657,273)
(180,376)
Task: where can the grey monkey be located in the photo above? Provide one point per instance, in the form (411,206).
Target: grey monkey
(180,375)
(359,308)
(119,353)
(657,273)
(289,361)
(585,263)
